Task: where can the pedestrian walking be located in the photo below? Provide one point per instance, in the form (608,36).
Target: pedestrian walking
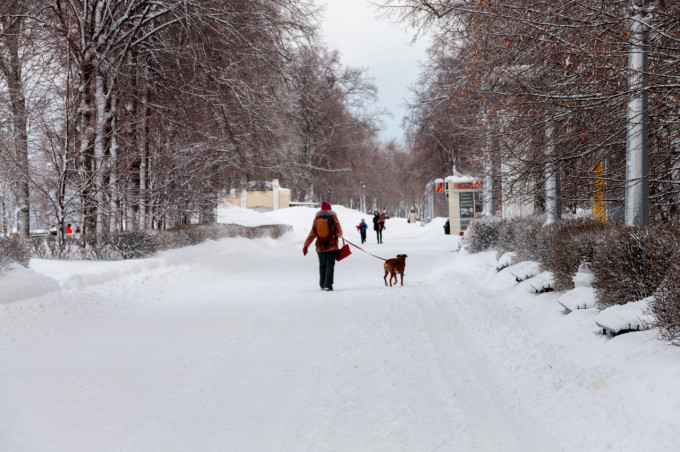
(377,227)
(362,227)
(412,216)
(326,230)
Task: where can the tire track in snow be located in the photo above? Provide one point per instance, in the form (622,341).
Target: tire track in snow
(491,424)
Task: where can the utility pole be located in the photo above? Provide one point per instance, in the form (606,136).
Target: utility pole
(637,141)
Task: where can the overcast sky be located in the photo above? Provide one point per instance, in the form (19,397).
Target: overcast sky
(383,48)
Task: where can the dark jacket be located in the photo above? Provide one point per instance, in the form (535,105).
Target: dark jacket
(333,242)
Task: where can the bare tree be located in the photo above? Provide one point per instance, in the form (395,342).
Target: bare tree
(14,40)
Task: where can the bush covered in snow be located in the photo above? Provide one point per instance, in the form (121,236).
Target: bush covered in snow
(134,244)
(526,237)
(482,234)
(14,249)
(506,238)
(573,244)
(51,248)
(546,244)
(665,305)
(138,244)
(630,263)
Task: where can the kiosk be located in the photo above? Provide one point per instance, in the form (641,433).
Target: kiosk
(465,201)
(262,196)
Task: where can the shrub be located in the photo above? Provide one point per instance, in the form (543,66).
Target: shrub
(546,245)
(14,249)
(573,244)
(137,244)
(666,305)
(133,244)
(630,263)
(505,243)
(482,233)
(526,237)
(96,248)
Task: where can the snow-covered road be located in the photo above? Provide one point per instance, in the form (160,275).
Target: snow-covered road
(231,346)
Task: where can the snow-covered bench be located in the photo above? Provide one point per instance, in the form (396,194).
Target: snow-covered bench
(543,282)
(633,316)
(525,270)
(505,261)
(580,297)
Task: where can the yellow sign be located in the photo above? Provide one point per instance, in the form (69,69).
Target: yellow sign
(599,201)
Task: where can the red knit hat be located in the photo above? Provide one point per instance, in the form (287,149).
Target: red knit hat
(325,205)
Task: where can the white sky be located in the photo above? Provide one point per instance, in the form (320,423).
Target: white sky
(384,49)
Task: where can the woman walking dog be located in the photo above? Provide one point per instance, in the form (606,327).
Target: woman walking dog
(327,230)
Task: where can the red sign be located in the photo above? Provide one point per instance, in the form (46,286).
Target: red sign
(440,187)
(467,186)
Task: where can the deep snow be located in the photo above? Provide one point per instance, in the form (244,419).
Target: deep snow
(231,346)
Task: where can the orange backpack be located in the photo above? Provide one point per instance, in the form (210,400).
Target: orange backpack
(325,228)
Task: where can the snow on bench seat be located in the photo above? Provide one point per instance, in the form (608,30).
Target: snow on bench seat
(633,316)
(525,270)
(506,260)
(543,282)
(580,297)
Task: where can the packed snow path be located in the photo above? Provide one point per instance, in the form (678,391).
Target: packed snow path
(231,346)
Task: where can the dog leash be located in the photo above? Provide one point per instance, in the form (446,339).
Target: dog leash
(360,248)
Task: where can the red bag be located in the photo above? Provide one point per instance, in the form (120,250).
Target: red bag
(344,251)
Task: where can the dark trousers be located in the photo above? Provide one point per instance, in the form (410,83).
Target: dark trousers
(326,268)
(363,236)
(379,232)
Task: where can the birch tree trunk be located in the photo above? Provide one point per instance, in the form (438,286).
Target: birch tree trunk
(99,150)
(114,192)
(10,64)
(143,147)
(551,183)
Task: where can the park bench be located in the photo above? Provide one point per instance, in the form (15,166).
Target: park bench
(619,319)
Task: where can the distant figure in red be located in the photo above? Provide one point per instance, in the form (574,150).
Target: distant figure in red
(68,229)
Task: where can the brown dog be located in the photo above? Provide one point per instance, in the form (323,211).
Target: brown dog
(394,266)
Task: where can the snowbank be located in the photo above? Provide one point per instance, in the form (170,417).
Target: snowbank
(20,283)
(231,214)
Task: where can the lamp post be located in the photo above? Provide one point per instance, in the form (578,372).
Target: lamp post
(637,142)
